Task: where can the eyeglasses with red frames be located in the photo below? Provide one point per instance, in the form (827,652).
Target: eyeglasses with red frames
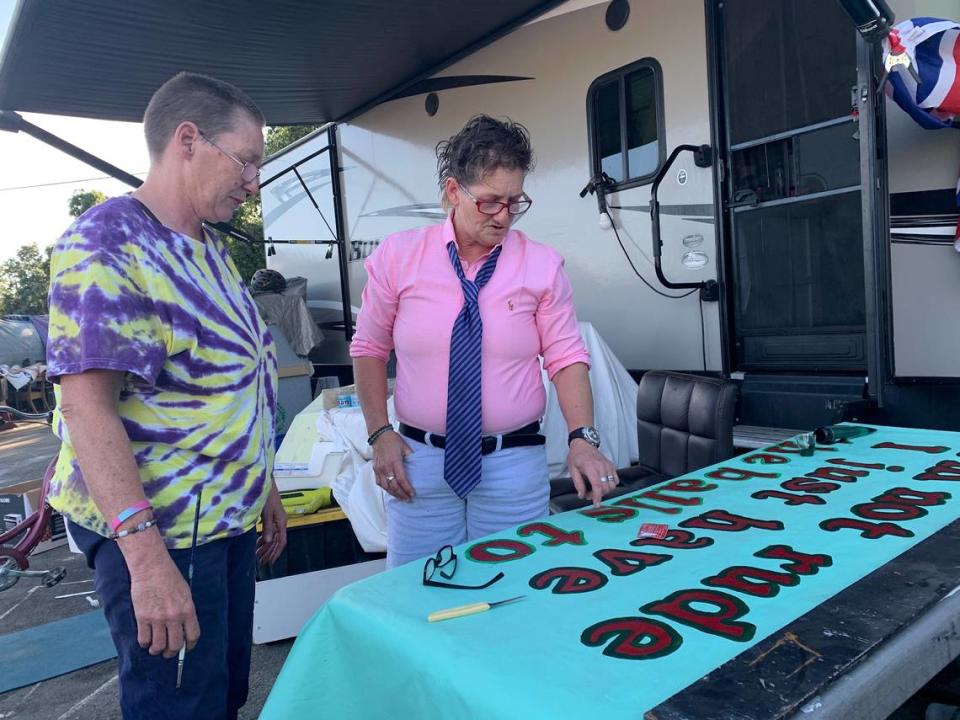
(492,207)
(248,170)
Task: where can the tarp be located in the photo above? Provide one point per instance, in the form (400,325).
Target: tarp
(23,339)
(614,408)
(615,402)
(288,310)
(611,625)
(302,61)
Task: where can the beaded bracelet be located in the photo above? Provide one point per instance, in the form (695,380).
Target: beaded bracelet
(145,525)
(377,433)
(129,512)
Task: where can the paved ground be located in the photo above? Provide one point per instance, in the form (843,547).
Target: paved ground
(91,692)
(25,451)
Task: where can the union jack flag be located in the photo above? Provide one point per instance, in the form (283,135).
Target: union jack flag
(933,46)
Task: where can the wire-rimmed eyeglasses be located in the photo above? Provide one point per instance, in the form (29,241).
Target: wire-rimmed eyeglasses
(445,563)
(248,170)
(492,207)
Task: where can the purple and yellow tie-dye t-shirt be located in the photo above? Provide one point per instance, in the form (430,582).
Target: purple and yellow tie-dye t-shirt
(129,294)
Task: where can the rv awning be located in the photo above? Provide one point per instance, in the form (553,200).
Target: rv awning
(302,61)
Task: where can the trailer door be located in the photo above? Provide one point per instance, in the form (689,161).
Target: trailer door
(792,201)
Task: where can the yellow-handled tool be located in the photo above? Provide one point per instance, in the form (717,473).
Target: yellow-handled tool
(465,610)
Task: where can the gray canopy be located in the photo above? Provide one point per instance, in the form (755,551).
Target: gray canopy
(302,61)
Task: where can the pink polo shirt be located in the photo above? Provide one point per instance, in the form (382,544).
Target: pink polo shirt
(412,298)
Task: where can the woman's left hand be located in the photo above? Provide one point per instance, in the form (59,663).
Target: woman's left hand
(588,465)
(273,539)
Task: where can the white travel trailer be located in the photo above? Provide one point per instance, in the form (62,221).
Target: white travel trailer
(811,235)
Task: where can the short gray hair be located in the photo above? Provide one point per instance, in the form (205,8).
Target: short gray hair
(210,103)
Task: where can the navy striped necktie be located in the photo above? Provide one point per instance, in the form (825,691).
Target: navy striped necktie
(462,452)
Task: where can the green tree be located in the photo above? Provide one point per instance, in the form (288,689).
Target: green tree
(82,200)
(25,281)
(248,257)
(282,135)
(25,278)
(249,217)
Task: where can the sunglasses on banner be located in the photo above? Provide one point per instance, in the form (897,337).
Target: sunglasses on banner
(444,564)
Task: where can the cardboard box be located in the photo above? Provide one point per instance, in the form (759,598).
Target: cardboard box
(331,396)
(19,501)
(58,534)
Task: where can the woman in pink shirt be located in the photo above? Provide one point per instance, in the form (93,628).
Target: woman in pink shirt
(469,306)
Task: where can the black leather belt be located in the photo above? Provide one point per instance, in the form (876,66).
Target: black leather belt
(527,436)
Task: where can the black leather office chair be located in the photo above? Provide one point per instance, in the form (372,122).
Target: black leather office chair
(684,423)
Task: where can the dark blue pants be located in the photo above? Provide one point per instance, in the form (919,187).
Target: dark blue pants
(216,672)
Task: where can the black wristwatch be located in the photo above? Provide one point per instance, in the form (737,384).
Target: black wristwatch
(587,433)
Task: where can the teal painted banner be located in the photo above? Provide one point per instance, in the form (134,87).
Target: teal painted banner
(611,624)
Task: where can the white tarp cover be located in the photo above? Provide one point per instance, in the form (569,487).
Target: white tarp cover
(354,486)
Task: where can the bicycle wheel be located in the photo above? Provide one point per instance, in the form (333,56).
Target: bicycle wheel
(7,577)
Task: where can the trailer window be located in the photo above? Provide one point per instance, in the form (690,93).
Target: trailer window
(625,119)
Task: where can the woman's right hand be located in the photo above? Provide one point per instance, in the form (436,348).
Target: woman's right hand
(388,452)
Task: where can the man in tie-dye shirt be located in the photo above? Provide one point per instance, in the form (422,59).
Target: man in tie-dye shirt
(167,389)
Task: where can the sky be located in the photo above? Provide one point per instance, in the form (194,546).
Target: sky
(39,214)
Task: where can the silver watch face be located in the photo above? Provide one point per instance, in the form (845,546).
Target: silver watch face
(591,436)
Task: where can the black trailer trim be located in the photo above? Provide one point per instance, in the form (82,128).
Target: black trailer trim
(451,82)
(875,208)
(718,131)
(335,170)
(796,199)
(776,677)
(791,133)
(619,74)
(941,202)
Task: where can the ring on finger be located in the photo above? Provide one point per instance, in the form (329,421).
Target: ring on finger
(390,478)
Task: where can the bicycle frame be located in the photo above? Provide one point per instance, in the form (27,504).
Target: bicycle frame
(30,531)
(34,525)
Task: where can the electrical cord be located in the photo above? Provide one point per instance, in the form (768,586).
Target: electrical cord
(642,278)
(703,332)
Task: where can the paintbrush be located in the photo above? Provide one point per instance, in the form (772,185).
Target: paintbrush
(193,546)
(465,610)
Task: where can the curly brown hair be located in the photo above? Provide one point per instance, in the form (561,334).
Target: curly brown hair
(484,145)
